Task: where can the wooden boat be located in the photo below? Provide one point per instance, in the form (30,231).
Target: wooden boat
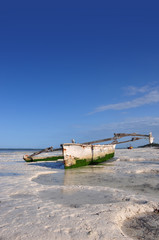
(82,154)
(76,155)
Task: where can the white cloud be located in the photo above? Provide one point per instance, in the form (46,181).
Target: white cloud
(151,97)
(131,90)
(132,123)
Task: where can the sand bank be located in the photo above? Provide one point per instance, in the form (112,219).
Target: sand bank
(43,201)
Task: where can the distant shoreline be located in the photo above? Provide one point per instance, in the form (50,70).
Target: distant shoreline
(150,145)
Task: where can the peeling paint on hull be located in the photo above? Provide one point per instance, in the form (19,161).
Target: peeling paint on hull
(77,155)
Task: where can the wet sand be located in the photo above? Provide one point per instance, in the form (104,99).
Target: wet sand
(110,201)
(143,226)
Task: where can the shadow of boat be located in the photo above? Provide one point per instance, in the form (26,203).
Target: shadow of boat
(56,165)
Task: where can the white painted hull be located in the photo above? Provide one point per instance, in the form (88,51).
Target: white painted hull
(73,152)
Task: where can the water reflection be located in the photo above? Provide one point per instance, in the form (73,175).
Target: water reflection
(105,176)
(87,176)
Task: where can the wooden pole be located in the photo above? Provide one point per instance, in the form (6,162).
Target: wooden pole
(129,134)
(50,149)
(116,136)
(132,140)
(102,140)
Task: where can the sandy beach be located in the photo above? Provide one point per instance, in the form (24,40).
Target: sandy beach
(116,200)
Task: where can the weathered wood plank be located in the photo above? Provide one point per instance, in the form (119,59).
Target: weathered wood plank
(116,136)
(129,134)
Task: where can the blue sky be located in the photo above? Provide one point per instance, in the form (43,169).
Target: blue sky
(77,69)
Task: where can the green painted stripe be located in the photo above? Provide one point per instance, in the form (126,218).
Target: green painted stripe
(54,158)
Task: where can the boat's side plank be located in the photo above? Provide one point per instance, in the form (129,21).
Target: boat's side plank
(40,159)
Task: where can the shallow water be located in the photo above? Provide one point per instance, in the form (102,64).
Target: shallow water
(138,171)
(142,177)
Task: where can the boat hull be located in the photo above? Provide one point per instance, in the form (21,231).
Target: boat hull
(76,155)
(42,159)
